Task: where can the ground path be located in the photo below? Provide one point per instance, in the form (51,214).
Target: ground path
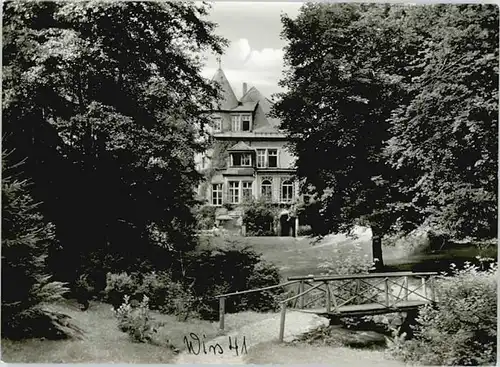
(265,331)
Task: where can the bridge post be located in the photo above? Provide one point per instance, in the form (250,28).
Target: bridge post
(328,298)
(282,322)
(424,287)
(386,284)
(222,311)
(406,285)
(433,288)
(358,289)
(301,298)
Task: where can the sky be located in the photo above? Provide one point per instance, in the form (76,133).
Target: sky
(255,53)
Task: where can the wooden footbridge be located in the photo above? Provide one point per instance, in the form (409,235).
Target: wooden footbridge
(350,295)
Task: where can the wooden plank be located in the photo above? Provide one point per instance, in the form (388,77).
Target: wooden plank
(222,311)
(386,288)
(424,288)
(406,285)
(301,277)
(282,322)
(374,275)
(369,309)
(328,299)
(255,290)
(433,289)
(301,290)
(301,294)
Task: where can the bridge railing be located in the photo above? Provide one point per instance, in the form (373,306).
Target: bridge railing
(376,291)
(222,297)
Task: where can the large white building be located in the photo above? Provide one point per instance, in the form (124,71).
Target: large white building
(248,159)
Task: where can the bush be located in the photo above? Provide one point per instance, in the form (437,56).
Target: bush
(137,322)
(232,268)
(461,329)
(118,286)
(304,230)
(263,275)
(259,219)
(165,295)
(205,217)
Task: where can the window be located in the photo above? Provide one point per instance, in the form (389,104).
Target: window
(235,159)
(267,190)
(246,190)
(234,192)
(287,191)
(261,158)
(246,160)
(217,194)
(272,158)
(245,119)
(241,159)
(235,122)
(217,123)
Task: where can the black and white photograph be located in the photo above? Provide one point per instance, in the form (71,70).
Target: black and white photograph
(250,182)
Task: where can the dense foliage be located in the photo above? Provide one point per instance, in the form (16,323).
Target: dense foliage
(164,294)
(205,216)
(392,113)
(462,328)
(446,128)
(26,238)
(233,267)
(259,218)
(104,99)
(227,269)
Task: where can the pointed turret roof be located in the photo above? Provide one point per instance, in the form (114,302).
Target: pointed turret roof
(228,100)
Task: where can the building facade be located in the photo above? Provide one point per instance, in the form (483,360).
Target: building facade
(248,160)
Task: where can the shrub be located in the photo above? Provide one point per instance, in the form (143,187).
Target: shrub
(304,230)
(118,286)
(83,290)
(137,322)
(229,269)
(259,219)
(461,329)
(166,295)
(263,274)
(205,217)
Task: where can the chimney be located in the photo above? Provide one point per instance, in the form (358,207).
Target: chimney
(244,88)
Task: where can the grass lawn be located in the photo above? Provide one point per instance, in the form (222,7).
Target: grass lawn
(104,343)
(296,256)
(325,355)
(301,255)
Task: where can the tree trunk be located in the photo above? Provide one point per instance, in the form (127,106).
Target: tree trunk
(377,250)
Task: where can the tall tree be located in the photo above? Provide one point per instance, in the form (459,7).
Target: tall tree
(392,111)
(105,100)
(446,131)
(336,108)
(26,238)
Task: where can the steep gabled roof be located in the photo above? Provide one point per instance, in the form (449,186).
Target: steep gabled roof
(228,100)
(252,101)
(262,121)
